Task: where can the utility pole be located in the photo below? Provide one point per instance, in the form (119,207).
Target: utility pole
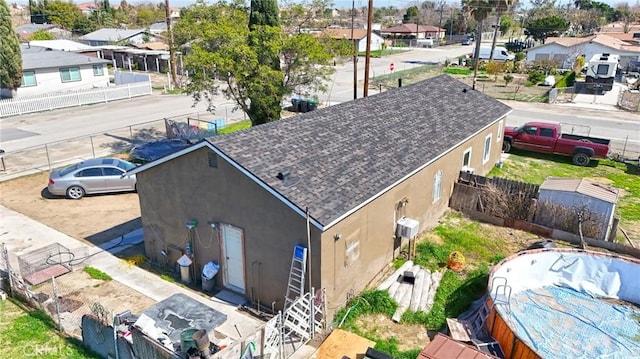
(367,62)
(355,52)
(172,51)
(451,24)
(440,21)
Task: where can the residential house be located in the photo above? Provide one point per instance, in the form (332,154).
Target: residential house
(564,50)
(86,8)
(25,31)
(110,36)
(158,27)
(410,30)
(355,168)
(47,71)
(68,45)
(359,36)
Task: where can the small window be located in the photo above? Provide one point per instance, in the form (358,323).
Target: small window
(603,69)
(500,130)
(29,79)
(437,186)
(90,172)
(213,159)
(530,130)
(70,74)
(504,53)
(110,171)
(466,158)
(487,149)
(98,70)
(546,132)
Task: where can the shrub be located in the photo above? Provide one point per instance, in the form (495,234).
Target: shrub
(547,67)
(494,68)
(520,56)
(457,71)
(535,77)
(97,274)
(567,80)
(507,79)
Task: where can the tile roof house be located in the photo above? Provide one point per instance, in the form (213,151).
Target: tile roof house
(564,50)
(356,168)
(47,71)
(359,35)
(109,36)
(423,31)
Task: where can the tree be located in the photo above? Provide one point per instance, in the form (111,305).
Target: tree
(542,8)
(264,13)
(411,14)
(479,9)
(41,34)
(627,15)
(64,14)
(306,13)
(225,56)
(544,27)
(10,54)
(500,6)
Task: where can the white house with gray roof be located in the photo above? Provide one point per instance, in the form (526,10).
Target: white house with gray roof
(46,71)
(109,36)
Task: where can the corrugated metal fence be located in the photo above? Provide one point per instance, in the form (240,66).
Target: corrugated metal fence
(46,102)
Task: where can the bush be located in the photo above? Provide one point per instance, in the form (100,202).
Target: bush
(494,68)
(457,71)
(507,79)
(535,77)
(520,56)
(567,80)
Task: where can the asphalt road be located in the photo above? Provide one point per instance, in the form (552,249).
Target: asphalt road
(21,132)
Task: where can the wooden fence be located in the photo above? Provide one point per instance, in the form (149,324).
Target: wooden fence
(52,101)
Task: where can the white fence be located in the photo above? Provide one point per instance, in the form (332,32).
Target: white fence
(46,102)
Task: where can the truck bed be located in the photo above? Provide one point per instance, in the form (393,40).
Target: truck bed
(602,141)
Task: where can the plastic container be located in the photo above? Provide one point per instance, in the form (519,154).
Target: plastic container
(186,339)
(312,105)
(208,284)
(304,106)
(295,103)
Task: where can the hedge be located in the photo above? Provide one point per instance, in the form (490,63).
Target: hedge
(567,80)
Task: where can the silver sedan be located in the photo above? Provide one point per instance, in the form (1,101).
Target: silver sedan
(98,175)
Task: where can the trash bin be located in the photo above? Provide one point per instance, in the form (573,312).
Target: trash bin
(185,268)
(295,103)
(304,106)
(312,105)
(208,274)
(186,339)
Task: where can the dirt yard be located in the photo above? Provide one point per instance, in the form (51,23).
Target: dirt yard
(95,219)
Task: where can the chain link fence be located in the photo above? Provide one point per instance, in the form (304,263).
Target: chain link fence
(37,279)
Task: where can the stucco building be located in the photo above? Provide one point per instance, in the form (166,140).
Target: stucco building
(356,167)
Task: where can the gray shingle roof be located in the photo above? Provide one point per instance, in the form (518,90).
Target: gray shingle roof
(36,57)
(341,156)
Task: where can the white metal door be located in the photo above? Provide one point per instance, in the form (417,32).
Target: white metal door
(232,244)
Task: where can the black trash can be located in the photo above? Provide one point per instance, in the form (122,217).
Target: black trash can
(304,106)
(312,105)
(295,102)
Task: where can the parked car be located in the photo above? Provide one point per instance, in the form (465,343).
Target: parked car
(548,138)
(467,42)
(98,175)
(499,54)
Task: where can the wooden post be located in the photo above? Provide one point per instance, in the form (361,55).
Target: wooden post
(614,229)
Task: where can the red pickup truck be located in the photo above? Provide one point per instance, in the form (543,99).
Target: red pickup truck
(547,138)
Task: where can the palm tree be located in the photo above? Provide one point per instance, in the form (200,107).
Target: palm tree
(479,9)
(500,6)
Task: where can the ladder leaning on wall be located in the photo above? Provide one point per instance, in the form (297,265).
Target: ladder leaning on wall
(295,287)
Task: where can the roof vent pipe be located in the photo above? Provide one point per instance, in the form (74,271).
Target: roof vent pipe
(282,175)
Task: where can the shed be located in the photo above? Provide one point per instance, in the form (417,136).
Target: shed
(581,194)
(445,347)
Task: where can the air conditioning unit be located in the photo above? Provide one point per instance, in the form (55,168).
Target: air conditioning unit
(407,228)
(467,169)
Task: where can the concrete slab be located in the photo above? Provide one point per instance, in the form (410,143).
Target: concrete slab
(179,312)
(124,242)
(22,234)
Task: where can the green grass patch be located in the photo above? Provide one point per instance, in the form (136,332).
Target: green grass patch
(168,278)
(369,302)
(381,53)
(32,334)
(535,168)
(97,274)
(234,127)
(390,346)
(457,71)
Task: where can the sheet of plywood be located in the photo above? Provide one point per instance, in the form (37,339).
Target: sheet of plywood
(341,343)
(416,293)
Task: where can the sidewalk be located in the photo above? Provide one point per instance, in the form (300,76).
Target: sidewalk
(22,234)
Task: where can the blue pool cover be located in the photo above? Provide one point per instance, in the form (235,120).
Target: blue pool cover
(560,322)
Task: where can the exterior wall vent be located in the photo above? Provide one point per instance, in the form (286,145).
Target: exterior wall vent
(212,159)
(407,228)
